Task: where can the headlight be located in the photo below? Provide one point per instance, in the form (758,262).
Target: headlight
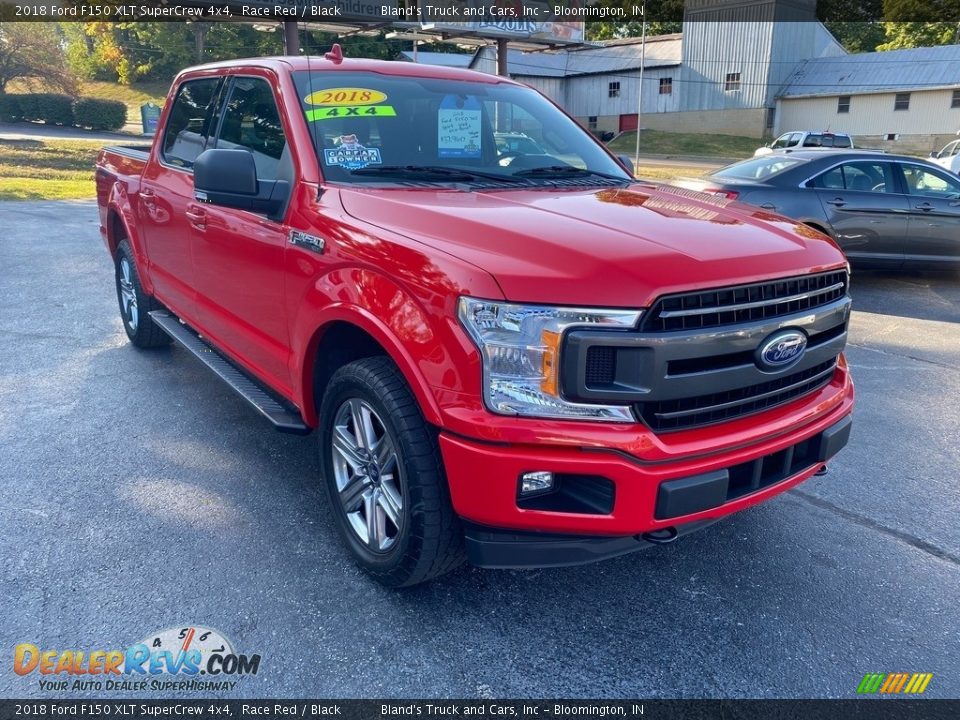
(520,348)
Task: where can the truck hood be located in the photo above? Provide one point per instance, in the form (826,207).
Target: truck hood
(619,247)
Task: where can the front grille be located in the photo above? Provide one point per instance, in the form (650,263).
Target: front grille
(685,413)
(744,303)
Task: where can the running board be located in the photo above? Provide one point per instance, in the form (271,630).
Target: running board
(284,416)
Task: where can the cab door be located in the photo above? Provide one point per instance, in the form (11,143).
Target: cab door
(238,255)
(934,232)
(167,189)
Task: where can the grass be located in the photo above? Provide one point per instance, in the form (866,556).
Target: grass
(657,142)
(47,169)
(665,172)
(132,95)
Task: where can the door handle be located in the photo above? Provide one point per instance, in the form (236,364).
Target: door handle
(926,207)
(197,217)
(769,206)
(837,202)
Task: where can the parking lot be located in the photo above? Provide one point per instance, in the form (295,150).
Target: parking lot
(137,493)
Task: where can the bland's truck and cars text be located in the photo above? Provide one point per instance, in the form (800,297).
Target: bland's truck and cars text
(520,357)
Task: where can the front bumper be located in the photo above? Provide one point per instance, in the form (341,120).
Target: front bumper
(655,499)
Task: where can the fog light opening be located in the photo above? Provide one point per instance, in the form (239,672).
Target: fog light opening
(536,483)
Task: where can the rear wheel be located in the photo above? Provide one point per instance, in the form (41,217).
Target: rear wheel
(135,303)
(384,476)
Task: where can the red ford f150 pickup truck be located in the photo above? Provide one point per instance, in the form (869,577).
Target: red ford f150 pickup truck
(519,358)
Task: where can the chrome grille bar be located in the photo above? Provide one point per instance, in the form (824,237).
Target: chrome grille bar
(752,398)
(748,306)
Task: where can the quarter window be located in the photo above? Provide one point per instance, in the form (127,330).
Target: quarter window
(188,126)
(901,101)
(732,82)
(251,122)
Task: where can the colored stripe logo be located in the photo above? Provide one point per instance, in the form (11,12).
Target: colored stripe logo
(894,683)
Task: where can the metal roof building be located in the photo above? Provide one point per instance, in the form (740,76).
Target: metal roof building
(891,71)
(460,60)
(904,100)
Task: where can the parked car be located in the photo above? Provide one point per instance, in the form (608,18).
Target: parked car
(514,143)
(788,142)
(887,211)
(527,364)
(949,157)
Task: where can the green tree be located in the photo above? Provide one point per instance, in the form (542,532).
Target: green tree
(32,52)
(919,34)
(663,17)
(137,51)
(918,23)
(615,30)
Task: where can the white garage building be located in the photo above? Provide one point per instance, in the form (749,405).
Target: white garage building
(908,100)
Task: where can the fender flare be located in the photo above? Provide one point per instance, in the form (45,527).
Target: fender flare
(381,333)
(120,210)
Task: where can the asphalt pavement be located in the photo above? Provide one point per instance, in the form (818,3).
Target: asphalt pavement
(138,494)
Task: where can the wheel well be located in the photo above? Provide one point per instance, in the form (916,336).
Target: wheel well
(340,344)
(116,232)
(819,228)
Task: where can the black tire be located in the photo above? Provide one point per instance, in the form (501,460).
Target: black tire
(140,328)
(428,542)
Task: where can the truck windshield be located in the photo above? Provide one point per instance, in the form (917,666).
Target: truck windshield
(370,127)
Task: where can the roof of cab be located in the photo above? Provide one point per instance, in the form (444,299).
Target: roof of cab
(383,67)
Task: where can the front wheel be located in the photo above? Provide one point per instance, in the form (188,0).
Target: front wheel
(384,476)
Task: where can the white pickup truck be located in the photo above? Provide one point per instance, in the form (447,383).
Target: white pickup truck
(949,157)
(804,140)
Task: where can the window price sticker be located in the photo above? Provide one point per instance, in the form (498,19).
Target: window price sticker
(458,127)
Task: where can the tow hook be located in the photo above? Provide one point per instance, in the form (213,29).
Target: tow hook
(665,536)
(821,471)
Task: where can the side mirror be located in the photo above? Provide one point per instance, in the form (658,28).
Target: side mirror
(627,164)
(935,154)
(229,178)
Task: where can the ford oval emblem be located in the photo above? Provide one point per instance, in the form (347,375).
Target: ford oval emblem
(781,350)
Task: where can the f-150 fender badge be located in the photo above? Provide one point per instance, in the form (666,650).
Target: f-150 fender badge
(308,242)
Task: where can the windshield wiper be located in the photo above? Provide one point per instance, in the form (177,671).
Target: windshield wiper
(559,171)
(439,172)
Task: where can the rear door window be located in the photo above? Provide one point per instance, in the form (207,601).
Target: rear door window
(858,177)
(929,183)
(189,123)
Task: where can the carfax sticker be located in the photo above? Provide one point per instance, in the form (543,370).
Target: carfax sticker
(458,127)
(345,96)
(351,155)
(359,111)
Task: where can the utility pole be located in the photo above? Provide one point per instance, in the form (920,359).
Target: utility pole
(502,57)
(291,39)
(643,58)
